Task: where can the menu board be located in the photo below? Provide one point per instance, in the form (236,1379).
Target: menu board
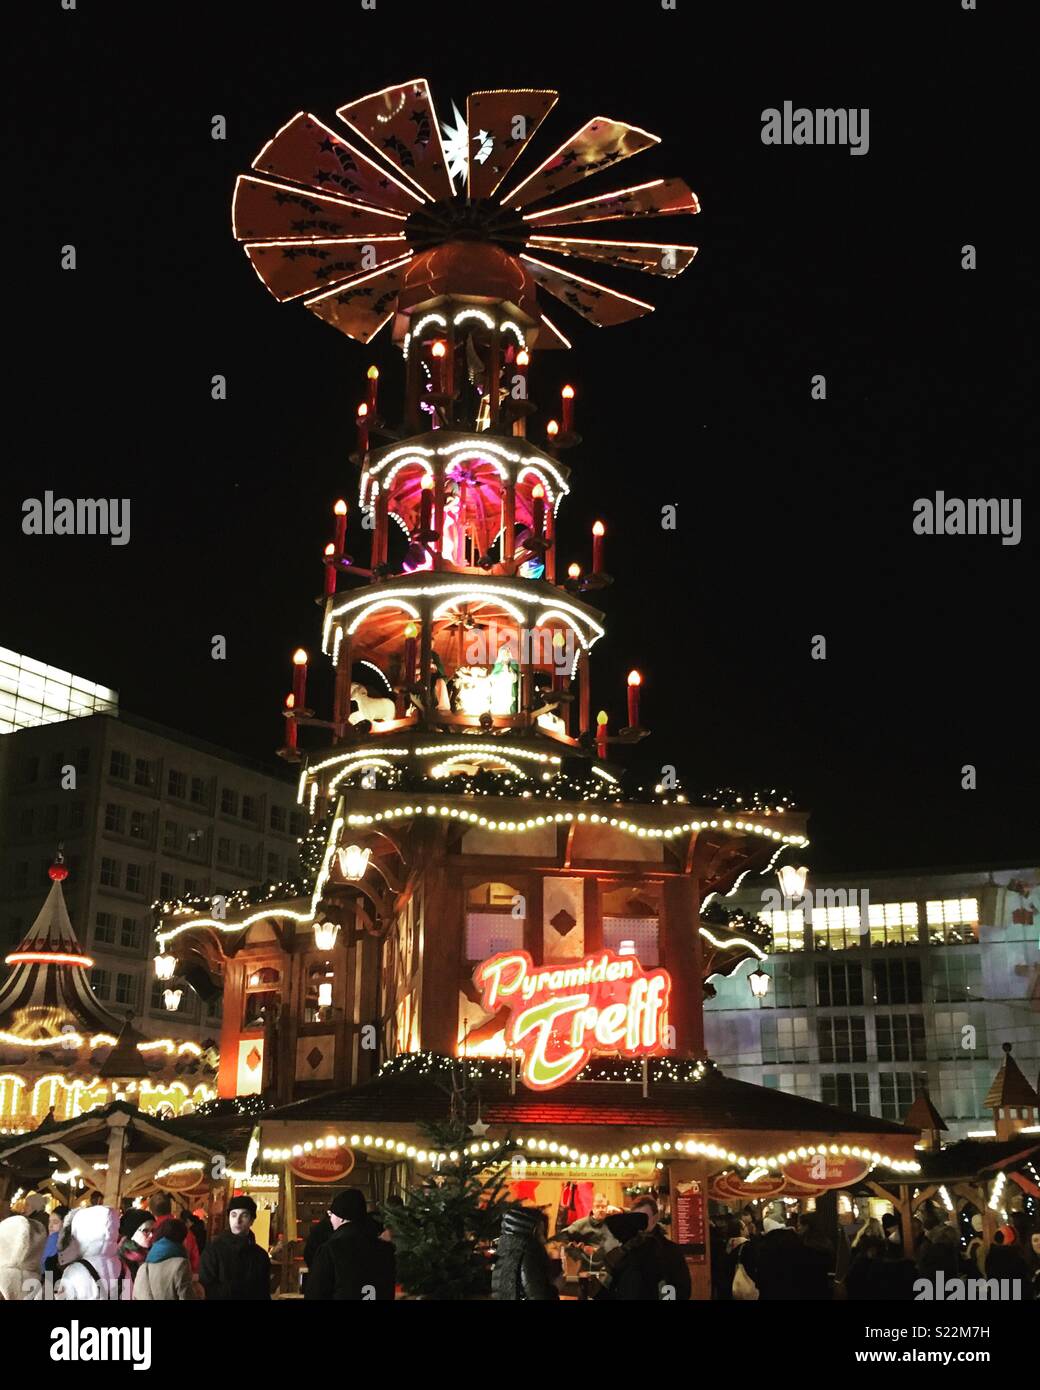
(688,1219)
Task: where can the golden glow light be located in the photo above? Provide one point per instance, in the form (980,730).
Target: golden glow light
(299,657)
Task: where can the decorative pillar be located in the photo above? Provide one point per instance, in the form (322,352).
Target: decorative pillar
(494,373)
(341,713)
(381,538)
(550,536)
(584,693)
(117,1131)
(425,657)
(509,520)
(678,933)
(439,499)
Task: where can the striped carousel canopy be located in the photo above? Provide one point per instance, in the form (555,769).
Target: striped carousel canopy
(48,992)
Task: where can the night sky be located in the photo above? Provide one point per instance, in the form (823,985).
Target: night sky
(794,516)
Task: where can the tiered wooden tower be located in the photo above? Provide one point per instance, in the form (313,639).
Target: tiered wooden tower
(467,800)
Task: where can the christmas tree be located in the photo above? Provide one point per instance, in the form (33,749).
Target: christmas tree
(444,1228)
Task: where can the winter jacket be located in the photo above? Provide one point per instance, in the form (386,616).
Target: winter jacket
(95,1239)
(775,1257)
(352,1262)
(165,1275)
(21,1250)
(191,1248)
(649,1261)
(235,1267)
(132,1255)
(941,1250)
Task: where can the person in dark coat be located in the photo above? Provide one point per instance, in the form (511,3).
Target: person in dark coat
(1004,1260)
(353,1265)
(777,1255)
(522,1271)
(233,1267)
(649,1268)
(814,1262)
(319,1234)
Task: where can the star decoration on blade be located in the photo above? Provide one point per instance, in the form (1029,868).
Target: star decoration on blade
(335,219)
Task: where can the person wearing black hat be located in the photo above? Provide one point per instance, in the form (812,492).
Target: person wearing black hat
(233,1267)
(353,1265)
(136,1231)
(648,1267)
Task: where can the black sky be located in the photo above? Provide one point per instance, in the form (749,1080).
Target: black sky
(794,516)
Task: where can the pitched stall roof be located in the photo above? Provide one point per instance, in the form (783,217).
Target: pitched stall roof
(1010,1086)
(715,1104)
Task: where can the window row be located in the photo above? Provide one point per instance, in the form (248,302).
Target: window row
(126,932)
(55,818)
(950,921)
(204,793)
(31,765)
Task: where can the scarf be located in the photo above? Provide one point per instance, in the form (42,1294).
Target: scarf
(164,1249)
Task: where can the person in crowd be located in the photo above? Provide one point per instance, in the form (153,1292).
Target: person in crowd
(21,1250)
(233,1266)
(354,1264)
(90,1265)
(320,1232)
(893,1230)
(161,1207)
(55,1222)
(941,1248)
(1034,1248)
(652,1267)
(734,1239)
(590,1234)
(34,1205)
(394,1200)
(197,1228)
(814,1261)
(522,1271)
(1005,1259)
(777,1254)
(165,1275)
(976,1251)
(136,1231)
(871,1229)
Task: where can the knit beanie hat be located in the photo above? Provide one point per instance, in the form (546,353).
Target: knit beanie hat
(132,1222)
(349,1205)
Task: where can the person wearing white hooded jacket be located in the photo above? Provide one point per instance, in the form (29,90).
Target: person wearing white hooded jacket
(21,1249)
(93,1255)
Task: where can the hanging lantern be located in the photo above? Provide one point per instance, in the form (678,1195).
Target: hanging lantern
(325,934)
(759,982)
(353,861)
(165,966)
(172,999)
(792,880)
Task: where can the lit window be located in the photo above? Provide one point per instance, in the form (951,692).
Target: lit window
(952,921)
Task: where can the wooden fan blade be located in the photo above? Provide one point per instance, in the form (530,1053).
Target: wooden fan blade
(647,256)
(291,269)
(599,144)
(595,302)
(660,198)
(494,116)
(275,212)
(306,151)
(401,123)
(362,306)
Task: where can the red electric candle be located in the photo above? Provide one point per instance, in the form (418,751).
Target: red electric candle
(425,503)
(552,429)
(299,678)
(538,509)
(635,680)
(601,734)
(439,352)
(373,390)
(598,531)
(574,571)
(290,723)
(411,632)
(523,358)
(340,513)
(330,569)
(362,428)
(568,409)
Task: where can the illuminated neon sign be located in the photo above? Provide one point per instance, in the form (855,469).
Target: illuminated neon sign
(559,1015)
